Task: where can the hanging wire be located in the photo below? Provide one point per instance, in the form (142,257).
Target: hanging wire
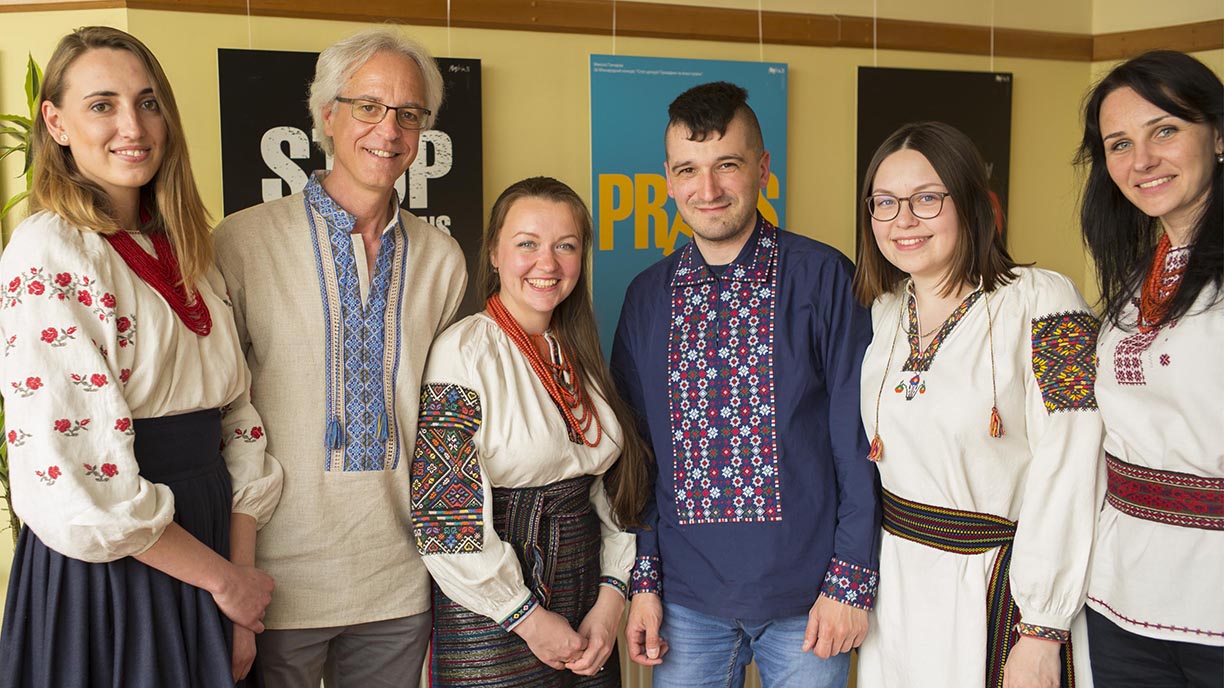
(875,33)
(760,31)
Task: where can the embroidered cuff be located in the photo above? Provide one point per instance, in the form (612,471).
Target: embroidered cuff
(850,584)
(517,616)
(613,582)
(1043,632)
(647,576)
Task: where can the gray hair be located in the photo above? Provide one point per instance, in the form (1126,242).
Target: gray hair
(340,61)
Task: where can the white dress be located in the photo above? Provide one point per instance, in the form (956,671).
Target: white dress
(929,626)
(502,430)
(1160,398)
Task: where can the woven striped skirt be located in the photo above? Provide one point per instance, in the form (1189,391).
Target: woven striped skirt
(555,534)
(968,532)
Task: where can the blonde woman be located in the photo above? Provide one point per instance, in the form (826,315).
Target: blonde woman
(122,376)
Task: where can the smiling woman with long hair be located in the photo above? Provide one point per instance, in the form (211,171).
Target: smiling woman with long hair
(123,375)
(1153,219)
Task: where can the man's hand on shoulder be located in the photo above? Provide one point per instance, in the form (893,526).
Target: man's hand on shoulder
(642,629)
(834,627)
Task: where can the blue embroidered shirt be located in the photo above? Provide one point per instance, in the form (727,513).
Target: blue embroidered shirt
(746,379)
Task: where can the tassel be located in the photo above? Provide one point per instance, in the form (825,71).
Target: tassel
(335,434)
(877,449)
(996,423)
(382,427)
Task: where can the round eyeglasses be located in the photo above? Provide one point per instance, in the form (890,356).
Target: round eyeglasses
(925,205)
(407,117)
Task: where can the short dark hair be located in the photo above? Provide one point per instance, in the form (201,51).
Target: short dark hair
(709,108)
(1120,237)
(980,253)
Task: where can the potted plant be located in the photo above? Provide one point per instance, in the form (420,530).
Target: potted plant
(16,134)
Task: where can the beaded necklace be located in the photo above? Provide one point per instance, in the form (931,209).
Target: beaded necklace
(162,273)
(1159,286)
(567,397)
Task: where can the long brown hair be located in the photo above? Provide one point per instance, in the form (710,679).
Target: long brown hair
(573,324)
(979,254)
(60,188)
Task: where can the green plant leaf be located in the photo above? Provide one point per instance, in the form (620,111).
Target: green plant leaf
(12,203)
(32,83)
(15,131)
(23,122)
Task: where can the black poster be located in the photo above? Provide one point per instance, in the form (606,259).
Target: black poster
(267,152)
(977,103)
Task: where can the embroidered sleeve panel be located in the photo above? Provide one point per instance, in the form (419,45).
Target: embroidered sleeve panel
(616,584)
(647,576)
(516,617)
(1043,632)
(1064,360)
(447,488)
(851,584)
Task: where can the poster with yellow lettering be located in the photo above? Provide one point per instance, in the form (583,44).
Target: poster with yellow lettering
(636,223)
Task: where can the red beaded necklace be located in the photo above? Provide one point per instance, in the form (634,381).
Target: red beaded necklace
(1159,287)
(566,397)
(162,273)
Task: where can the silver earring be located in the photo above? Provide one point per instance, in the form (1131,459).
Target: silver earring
(1220,157)
(63,138)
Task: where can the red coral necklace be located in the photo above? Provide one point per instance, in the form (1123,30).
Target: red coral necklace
(1159,287)
(162,273)
(566,397)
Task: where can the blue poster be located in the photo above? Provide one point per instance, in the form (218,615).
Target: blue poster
(636,224)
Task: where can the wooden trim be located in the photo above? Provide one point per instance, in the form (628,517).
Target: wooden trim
(657,20)
(1188,38)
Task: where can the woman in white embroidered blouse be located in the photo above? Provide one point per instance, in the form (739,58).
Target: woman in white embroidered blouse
(1153,218)
(122,375)
(527,464)
(977,391)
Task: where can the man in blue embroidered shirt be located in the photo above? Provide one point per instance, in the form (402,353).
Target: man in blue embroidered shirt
(741,353)
(338,294)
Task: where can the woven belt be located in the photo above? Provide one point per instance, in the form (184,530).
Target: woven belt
(532,517)
(968,532)
(1179,499)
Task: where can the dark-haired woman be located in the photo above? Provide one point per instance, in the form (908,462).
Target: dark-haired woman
(524,472)
(1153,218)
(977,391)
(123,375)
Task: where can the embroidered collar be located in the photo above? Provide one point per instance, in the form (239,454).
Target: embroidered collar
(920,359)
(339,219)
(753,264)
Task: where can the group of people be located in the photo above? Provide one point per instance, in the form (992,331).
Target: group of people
(777,465)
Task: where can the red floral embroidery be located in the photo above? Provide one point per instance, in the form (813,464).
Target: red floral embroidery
(108,300)
(85,298)
(124,425)
(102,473)
(251,435)
(63,286)
(49,476)
(27,388)
(122,324)
(63,279)
(70,428)
(18,437)
(90,384)
(56,337)
(36,288)
(127,330)
(9,344)
(15,284)
(125,375)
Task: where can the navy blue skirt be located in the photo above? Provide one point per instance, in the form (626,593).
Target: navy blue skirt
(70,623)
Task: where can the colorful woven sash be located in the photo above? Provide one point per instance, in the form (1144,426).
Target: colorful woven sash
(1179,499)
(968,532)
(533,519)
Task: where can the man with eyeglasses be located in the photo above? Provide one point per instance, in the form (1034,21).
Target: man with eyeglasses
(741,352)
(338,294)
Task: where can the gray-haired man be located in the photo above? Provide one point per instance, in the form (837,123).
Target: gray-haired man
(338,294)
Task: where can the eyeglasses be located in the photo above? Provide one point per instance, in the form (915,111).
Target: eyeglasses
(925,205)
(408,117)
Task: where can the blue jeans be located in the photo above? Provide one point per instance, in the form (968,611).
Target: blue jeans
(713,652)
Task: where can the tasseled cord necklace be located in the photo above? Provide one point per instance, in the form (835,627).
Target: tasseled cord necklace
(996,422)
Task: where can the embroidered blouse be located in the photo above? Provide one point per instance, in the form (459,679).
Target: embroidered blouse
(1160,400)
(1043,473)
(746,379)
(88,347)
(487,421)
